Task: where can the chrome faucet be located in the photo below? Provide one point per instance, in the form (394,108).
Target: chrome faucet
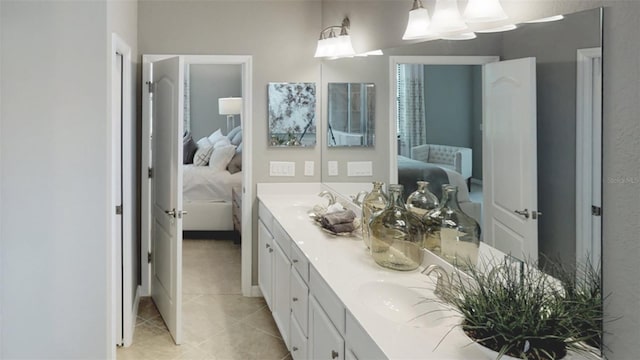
(329,196)
(442,283)
(356,198)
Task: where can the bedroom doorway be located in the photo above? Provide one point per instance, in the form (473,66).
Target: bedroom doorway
(209,214)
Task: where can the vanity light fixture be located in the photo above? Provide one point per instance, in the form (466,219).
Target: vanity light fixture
(484,11)
(418,24)
(371,53)
(498,29)
(230,106)
(332,46)
(461,36)
(546,19)
(446,17)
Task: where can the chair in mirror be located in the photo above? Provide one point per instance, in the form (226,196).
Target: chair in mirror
(351,114)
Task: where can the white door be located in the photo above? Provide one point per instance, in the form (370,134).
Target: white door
(509,158)
(166,233)
(325,341)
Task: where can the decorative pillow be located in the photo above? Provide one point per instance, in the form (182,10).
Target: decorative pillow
(221,157)
(204,142)
(202,156)
(222,142)
(234,131)
(189,149)
(235,165)
(216,136)
(239,148)
(237,139)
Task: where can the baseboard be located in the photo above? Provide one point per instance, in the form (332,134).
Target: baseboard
(136,302)
(255,291)
(476,181)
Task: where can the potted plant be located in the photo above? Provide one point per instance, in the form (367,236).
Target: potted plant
(517,310)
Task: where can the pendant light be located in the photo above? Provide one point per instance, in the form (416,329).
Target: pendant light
(446,17)
(484,11)
(418,24)
(461,36)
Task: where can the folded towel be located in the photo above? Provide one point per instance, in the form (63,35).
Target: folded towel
(339,217)
(335,208)
(341,228)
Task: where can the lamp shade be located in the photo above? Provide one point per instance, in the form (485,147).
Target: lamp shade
(484,11)
(230,106)
(418,24)
(446,17)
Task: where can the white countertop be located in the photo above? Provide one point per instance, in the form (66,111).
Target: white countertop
(345,265)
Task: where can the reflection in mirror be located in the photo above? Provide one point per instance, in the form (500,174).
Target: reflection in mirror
(292,112)
(351,114)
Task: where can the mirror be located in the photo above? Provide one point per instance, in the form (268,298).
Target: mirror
(292,113)
(567,53)
(351,114)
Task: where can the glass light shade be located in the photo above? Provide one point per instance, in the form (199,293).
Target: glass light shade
(484,11)
(418,25)
(546,19)
(230,106)
(498,29)
(343,47)
(462,36)
(322,48)
(446,17)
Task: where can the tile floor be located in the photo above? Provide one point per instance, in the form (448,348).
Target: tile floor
(218,322)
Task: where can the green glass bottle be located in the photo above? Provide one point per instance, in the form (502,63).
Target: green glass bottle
(373,202)
(396,234)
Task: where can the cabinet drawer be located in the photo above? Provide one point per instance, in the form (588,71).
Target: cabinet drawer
(329,302)
(265,215)
(299,301)
(359,342)
(282,238)
(298,341)
(300,262)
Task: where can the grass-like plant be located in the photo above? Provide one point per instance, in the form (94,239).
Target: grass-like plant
(517,310)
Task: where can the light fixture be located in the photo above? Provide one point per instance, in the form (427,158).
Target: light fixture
(498,29)
(330,45)
(418,24)
(230,106)
(546,19)
(446,17)
(461,36)
(371,53)
(484,11)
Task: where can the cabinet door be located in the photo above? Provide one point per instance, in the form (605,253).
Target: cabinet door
(324,340)
(265,263)
(281,292)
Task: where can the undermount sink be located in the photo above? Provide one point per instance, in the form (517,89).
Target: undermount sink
(403,305)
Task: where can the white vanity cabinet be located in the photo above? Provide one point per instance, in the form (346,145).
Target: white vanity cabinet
(265,262)
(325,342)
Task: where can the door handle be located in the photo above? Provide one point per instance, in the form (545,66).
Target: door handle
(334,354)
(176,213)
(535,214)
(524,213)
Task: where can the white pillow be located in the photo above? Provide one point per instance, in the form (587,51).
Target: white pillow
(222,142)
(202,156)
(204,142)
(216,136)
(221,157)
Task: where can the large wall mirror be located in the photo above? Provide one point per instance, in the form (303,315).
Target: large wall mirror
(351,114)
(435,97)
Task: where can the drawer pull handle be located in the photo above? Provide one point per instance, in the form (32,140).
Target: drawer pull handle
(295,348)
(270,250)
(267,246)
(294,261)
(334,354)
(295,299)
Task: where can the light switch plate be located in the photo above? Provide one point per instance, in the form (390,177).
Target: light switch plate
(333,168)
(359,168)
(308,168)
(282,168)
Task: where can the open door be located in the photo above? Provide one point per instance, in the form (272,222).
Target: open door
(509,158)
(166,212)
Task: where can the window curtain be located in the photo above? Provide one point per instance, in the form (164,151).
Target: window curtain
(186,121)
(411,111)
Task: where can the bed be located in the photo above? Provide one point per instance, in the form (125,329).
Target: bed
(410,171)
(212,168)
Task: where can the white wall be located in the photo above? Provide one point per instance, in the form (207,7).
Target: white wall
(53,141)
(621,199)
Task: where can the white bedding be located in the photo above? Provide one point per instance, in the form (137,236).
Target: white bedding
(202,183)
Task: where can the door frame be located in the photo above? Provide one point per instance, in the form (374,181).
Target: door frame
(588,156)
(246,61)
(393,94)
(120,121)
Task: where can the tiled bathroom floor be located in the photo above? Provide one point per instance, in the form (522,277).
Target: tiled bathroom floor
(218,322)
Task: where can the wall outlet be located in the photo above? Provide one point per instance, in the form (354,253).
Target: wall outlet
(359,168)
(308,168)
(282,168)
(333,168)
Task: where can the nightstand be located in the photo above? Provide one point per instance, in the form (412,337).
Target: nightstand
(236,199)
